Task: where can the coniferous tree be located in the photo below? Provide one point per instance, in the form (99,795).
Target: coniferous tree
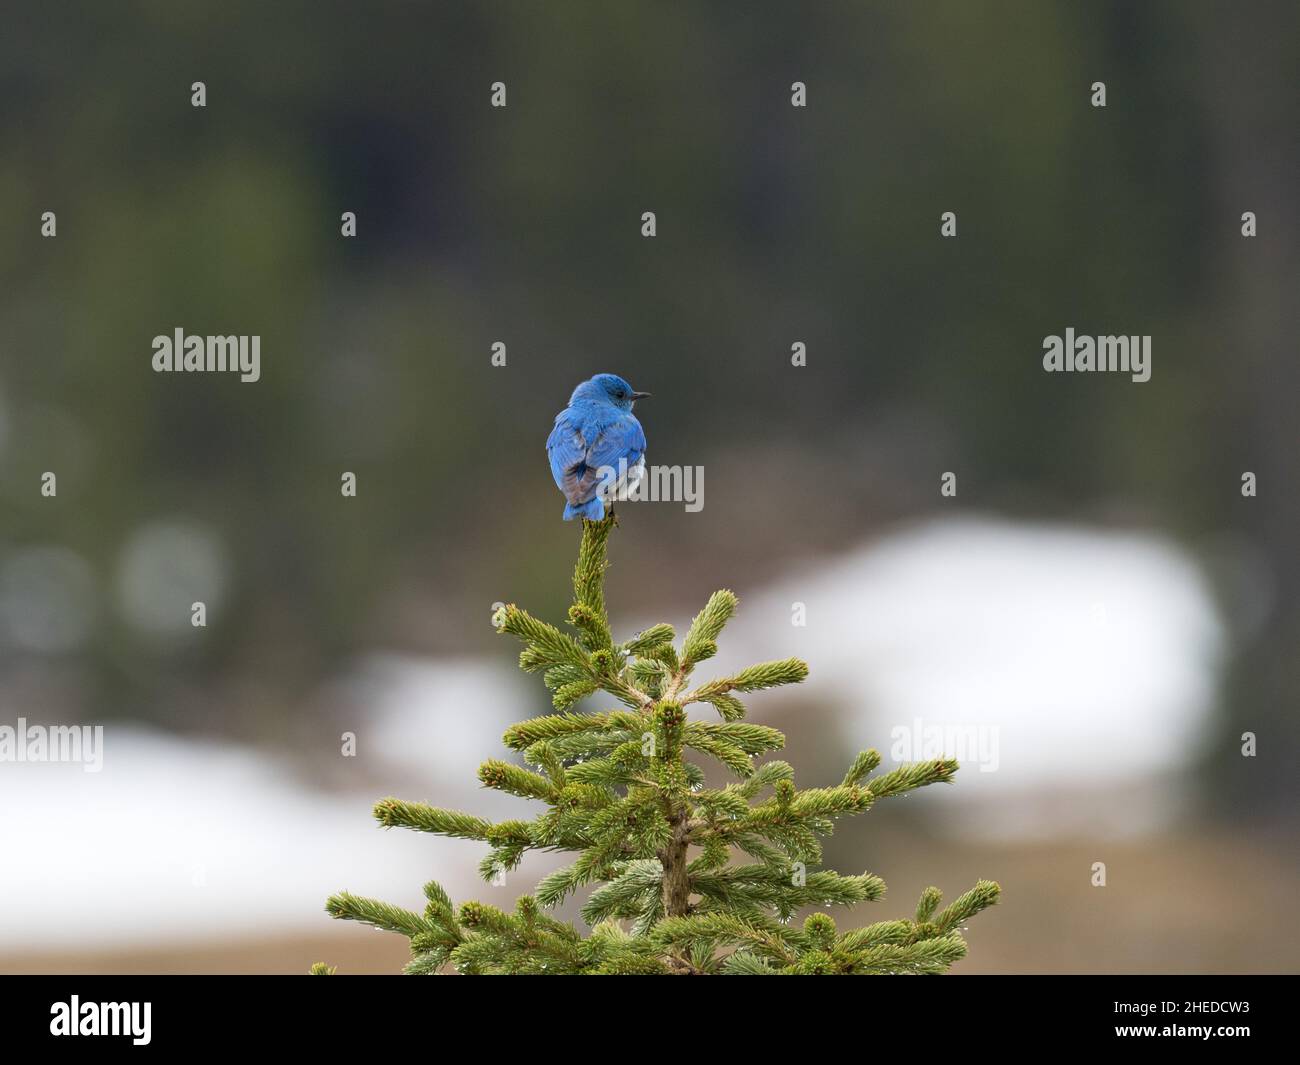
(692,879)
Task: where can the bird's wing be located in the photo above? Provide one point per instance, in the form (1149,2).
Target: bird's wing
(567,451)
(576,464)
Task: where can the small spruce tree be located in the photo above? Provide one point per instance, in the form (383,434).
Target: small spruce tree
(621,794)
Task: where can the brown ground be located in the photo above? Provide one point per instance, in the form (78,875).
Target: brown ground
(1218,903)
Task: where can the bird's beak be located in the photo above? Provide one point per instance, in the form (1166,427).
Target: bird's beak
(642,395)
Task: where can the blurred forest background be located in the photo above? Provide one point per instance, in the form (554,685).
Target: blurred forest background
(522,225)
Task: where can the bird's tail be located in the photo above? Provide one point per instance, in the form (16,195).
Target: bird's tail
(594,509)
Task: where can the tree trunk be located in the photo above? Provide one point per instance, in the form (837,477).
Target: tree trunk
(677,885)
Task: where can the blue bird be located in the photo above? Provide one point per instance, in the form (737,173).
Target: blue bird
(597,446)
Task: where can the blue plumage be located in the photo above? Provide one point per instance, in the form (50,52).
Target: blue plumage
(597,445)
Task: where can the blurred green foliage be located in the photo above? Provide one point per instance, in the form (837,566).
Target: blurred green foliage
(776,224)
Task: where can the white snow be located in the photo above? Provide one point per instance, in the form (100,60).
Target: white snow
(1093,654)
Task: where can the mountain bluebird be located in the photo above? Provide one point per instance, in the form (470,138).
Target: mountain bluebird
(597,446)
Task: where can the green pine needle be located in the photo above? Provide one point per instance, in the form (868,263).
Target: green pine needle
(683,877)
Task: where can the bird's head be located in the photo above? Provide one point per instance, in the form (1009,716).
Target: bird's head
(607,388)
